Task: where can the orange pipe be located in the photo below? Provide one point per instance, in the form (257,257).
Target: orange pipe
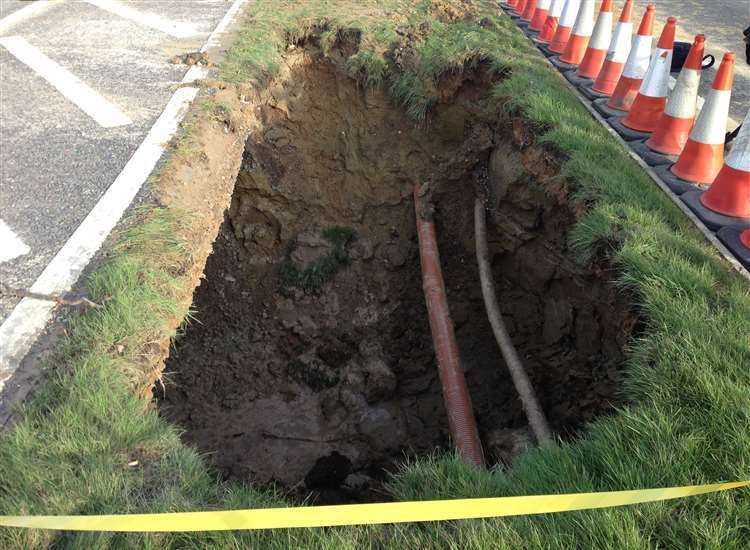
(461,422)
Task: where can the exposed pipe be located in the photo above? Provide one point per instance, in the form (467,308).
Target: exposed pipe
(537,421)
(461,422)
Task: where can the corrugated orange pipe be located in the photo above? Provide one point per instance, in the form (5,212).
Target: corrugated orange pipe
(461,422)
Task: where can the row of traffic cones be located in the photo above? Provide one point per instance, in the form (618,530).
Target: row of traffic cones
(630,87)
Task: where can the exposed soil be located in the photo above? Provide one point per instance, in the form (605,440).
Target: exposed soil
(323,384)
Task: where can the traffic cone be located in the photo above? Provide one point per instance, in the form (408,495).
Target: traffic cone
(652,98)
(564,26)
(727,200)
(592,60)
(579,40)
(528,12)
(738,242)
(673,127)
(509,5)
(635,67)
(540,15)
(617,53)
(703,155)
(518,9)
(550,24)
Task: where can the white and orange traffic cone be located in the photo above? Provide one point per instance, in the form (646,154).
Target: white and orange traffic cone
(614,60)
(738,242)
(509,5)
(575,49)
(593,59)
(596,51)
(635,68)
(649,104)
(550,24)
(727,200)
(564,26)
(528,13)
(540,15)
(674,125)
(703,154)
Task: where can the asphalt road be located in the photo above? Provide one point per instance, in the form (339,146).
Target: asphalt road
(722,22)
(56,161)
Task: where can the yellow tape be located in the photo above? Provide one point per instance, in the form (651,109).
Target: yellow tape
(360,514)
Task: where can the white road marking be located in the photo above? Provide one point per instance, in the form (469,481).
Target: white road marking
(30,316)
(10,245)
(172,28)
(27,12)
(69,85)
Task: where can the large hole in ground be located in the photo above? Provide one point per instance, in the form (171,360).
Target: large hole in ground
(312,366)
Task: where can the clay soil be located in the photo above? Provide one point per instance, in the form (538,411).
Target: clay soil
(322,389)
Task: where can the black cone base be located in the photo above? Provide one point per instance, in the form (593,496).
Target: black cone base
(652,158)
(677,185)
(605,110)
(713,220)
(730,236)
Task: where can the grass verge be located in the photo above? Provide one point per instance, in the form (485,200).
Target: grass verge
(86,444)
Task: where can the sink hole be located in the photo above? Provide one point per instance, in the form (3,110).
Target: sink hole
(310,364)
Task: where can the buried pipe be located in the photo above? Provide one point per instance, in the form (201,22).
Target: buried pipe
(537,421)
(461,422)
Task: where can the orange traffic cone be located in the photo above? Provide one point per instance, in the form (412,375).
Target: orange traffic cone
(509,5)
(674,125)
(540,15)
(652,98)
(565,26)
(727,201)
(635,68)
(550,24)
(528,11)
(729,194)
(703,155)
(617,54)
(593,59)
(579,40)
(519,7)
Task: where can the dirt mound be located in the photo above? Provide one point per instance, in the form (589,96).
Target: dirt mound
(311,365)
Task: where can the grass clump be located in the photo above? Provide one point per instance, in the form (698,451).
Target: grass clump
(317,273)
(687,385)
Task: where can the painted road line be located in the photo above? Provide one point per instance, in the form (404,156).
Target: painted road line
(214,39)
(11,246)
(65,82)
(172,28)
(198,72)
(25,13)
(30,316)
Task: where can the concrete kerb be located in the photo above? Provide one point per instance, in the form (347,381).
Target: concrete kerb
(707,233)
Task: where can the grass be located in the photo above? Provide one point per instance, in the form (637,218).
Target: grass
(687,383)
(317,273)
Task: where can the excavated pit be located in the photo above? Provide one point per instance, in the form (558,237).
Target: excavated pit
(310,365)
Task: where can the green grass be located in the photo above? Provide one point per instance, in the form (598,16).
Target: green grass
(687,384)
(312,277)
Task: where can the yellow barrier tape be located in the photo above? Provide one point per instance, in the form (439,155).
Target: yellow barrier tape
(361,514)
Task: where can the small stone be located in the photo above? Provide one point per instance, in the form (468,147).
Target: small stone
(362,249)
(381,382)
(558,317)
(505,445)
(357,481)
(380,428)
